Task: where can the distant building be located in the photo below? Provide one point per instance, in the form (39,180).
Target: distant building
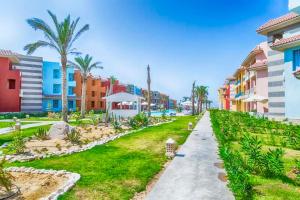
(132,89)
(95,91)
(172,104)
(52,87)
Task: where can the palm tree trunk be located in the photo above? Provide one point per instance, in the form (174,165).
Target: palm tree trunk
(149,90)
(201,106)
(83,97)
(198,106)
(64,88)
(193,99)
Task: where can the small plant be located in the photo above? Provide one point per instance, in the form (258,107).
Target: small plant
(18,144)
(138,121)
(273,163)
(44,149)
(117,125)
(41,134)
(58,146)
(74,136)
(5,177)
(297,169)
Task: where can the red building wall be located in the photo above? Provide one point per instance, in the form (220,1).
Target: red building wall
(9,98)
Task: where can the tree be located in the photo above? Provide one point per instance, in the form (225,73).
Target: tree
(202,92)
(61,39)
(193,98)
(149,90)
(85,66)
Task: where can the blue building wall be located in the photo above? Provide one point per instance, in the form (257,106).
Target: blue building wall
(52,87)
(137,91)
(292,86)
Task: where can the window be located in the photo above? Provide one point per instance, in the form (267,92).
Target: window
(93,82)
(296,59)
(71,76)
(70,104)
(93,104)
(102,94)
(56,88)
(11,84)
(93,93)
(56,74)
(70,90)
(101,104)
(55,103)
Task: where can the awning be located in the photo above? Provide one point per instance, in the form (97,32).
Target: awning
(122,97)
(256,98)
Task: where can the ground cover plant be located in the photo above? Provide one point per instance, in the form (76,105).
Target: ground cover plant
(260,155)
(12,124)
(118,169)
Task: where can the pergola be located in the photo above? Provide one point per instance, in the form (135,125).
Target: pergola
(128,105)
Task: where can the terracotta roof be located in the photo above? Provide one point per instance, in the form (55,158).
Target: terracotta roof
(278,20)
(258,65)
(285,40)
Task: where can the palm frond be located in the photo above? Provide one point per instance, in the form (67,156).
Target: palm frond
(32,47)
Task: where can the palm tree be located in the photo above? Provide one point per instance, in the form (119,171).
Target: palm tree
(193,98)
(61,39)
(85,66)
(149,90)
(202,92)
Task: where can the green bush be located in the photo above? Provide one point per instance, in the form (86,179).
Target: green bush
(138,121)
(5,177)
(41,134)
(21,115)
(18,144)
(74,136)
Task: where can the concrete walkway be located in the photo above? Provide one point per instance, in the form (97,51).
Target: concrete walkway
(43,123)
(192,175)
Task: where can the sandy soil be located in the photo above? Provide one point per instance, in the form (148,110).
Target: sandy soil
(88,134)
(36,186)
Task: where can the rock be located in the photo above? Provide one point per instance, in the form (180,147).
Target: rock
(59,130)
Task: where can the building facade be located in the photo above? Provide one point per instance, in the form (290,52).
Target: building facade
(52,87)
(283,35)
(95,91)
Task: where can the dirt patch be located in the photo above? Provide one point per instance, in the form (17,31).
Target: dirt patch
(142,195)
(35,186)
(222,176)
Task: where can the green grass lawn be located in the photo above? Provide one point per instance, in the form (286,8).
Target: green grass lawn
(118,169)
(231,128)
(9,124)
(25,133)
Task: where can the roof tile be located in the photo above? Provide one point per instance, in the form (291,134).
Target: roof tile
(286,40)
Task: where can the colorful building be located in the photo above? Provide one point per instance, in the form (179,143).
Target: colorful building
(10,83)
(132,89)
(52,87)
(283,35)
(95,91)
(172,104)
(28,85)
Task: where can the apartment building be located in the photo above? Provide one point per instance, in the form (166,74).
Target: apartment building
(95,91)
(52,87)
(283,36)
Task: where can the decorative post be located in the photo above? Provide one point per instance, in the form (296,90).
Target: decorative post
(15,119)
(149,91)
(190,126)
(18,125)
(170,148)
(27,116)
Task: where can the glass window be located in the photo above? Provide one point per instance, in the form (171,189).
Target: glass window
(93,93)
(93,82)
(56,88)
(70,104)
(296,59)
(70,90)
(55,103)
(56,74)
(11,84)
(71,76)
(93,104)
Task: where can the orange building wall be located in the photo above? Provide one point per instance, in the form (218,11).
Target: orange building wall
(95,90)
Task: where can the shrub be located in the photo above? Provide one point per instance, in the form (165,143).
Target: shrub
(273,163)
(41,134)
(5,177)
(18,144)
(138,121)
(74,136)
(117,125)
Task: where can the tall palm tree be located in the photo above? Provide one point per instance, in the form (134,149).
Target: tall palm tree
(202,93)
(149,91)
(85,66)
(193,98)
(61,39)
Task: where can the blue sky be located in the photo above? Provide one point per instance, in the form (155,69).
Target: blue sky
(183,41)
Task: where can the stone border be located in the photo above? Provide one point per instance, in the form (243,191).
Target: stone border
(25,158)
(72,179)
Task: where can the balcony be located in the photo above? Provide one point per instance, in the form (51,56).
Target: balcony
(238,82)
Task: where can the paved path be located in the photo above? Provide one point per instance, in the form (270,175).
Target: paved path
(192,174)
(24,126)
